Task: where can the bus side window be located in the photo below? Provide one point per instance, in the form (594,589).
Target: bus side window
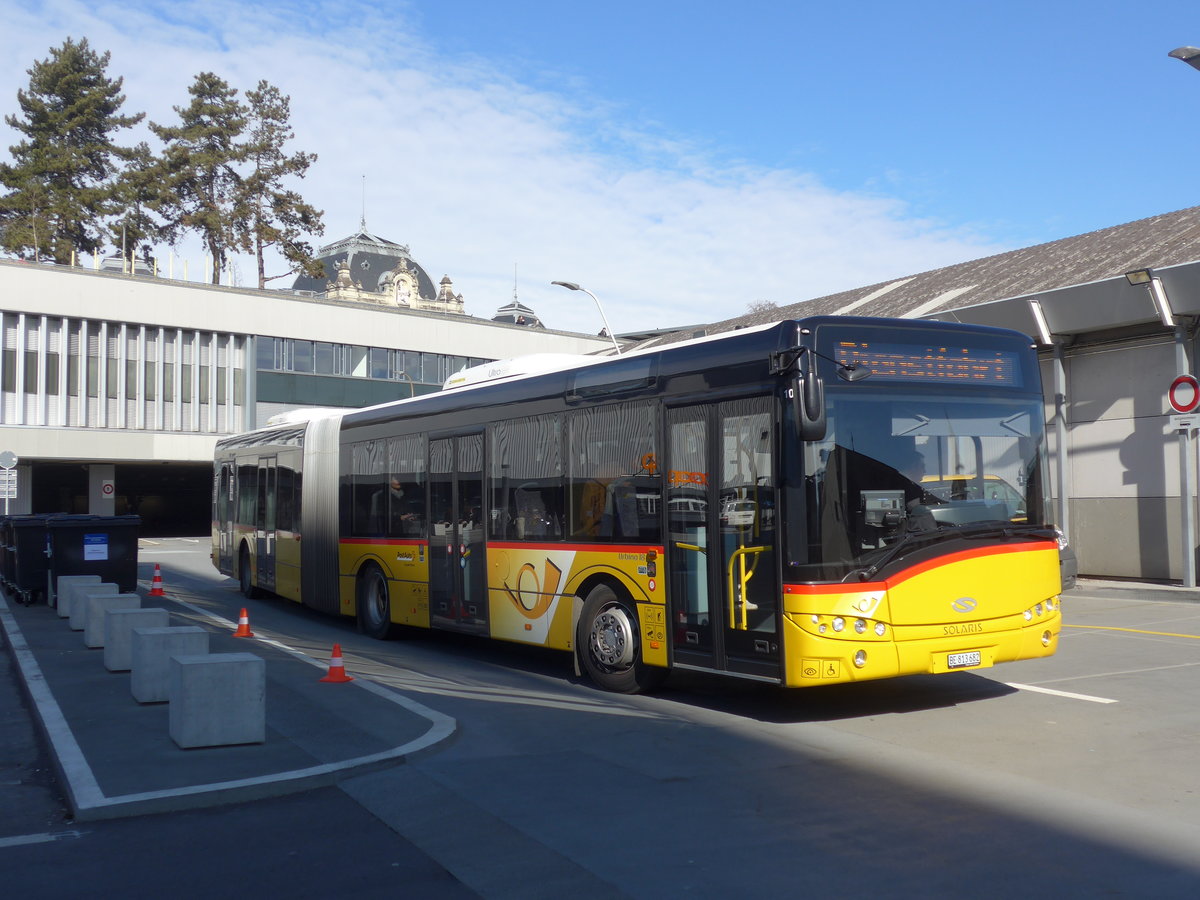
(285,510)
(369,492)
(615,487)
(247,476)
(526,479)
(406,505)
(406,486)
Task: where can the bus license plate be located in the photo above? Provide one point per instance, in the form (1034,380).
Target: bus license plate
(963,660)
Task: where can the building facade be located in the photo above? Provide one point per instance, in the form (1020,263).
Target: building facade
(114,388)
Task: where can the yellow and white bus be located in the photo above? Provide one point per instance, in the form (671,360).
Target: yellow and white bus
(748,504)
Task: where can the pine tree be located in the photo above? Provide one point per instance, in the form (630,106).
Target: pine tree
(141,195)
(61,181)
(278,217)
(200,163)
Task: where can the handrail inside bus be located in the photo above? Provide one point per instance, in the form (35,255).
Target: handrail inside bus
(737,597)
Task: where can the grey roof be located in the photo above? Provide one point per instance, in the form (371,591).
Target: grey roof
(1065,272)
(371,258)
(517,313)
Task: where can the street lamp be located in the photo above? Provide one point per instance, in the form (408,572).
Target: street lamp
(1189,55)
(412,384)
(572,286)
(1157,293)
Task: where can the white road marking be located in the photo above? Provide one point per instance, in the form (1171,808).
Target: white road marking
(22,839)
(91,801)
(1067,694)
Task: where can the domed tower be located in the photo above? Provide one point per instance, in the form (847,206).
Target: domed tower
(367,268)
(517,313)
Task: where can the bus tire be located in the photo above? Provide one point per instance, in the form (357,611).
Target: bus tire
(373,607)
(608,641)
(246,575)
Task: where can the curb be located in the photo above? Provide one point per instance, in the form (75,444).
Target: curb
(89,803)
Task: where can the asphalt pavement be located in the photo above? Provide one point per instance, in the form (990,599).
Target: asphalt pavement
(114,756)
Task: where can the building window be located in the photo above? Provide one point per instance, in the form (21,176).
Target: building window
(302,356)
(9,382)
(353,360)
(326,359)
(31,372)
(266,350)
(52,364)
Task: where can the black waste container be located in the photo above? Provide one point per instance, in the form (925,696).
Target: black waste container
(95,545)
(24,560)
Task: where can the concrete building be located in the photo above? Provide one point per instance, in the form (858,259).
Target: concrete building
(115,387)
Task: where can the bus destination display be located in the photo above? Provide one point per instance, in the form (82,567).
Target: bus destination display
(913,362)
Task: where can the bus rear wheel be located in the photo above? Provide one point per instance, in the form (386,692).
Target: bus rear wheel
(374,607)
(246,575)
(608,642)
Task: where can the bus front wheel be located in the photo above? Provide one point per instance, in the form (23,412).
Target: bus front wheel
(374,605)
(608,642)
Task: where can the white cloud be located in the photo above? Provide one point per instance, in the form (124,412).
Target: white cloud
(477,172)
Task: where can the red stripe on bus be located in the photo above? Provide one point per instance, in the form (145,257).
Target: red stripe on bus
(853,586)
(580,548)
(397,542)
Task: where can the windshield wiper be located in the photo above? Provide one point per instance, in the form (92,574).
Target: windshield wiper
(912,539)
(1005,529)
(906,542)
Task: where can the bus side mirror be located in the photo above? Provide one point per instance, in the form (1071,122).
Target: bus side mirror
(809,404)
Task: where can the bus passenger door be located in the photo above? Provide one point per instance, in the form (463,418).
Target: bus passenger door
(724,597)
(225,512)
(457,592)
(265,528)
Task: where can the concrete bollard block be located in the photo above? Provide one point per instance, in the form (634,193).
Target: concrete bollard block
(150,658)
(78,602)
(61,588)
(118,634)
(218,699)
(98,606)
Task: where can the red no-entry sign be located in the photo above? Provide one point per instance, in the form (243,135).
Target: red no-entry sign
(1184,395)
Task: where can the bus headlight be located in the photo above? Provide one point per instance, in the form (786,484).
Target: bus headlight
(860,625)
(1046,639)
(838,623)
(880,629)
(1029,615)
(860,658)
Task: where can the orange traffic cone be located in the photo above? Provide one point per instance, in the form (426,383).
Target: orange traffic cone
(156,586)
(337,670)
(243,629)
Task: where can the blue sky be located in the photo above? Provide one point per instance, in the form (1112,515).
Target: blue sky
(683,160)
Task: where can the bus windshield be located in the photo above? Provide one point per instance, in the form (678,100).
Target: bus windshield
(903,470)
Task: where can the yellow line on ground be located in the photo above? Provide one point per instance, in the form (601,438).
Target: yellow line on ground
(1194,637)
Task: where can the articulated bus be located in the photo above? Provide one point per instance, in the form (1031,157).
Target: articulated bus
(832,499)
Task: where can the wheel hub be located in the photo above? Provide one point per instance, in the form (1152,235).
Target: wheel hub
(612,638)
